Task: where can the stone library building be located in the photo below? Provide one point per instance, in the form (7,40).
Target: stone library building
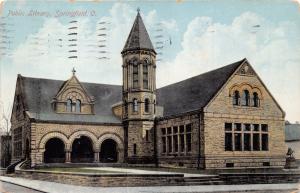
(224,118)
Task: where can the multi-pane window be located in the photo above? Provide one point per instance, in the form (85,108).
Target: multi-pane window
(135,76)
(246,137)
(177,139)
(145,76)
(247,98)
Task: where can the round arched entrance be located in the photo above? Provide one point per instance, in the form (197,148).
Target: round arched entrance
(82,150)
(108,152)
(54,151)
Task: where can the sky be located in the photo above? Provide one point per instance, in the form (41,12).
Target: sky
(194,37)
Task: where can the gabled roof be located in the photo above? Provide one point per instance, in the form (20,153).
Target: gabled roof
(138,37)
(292,132)
(194,93)
(39,94)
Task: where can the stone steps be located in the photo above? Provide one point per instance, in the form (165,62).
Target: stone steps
(203,180)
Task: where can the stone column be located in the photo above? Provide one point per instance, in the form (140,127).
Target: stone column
(96,157)
(68,157)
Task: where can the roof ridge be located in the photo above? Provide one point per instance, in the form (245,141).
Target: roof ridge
(36,78)
(214,70)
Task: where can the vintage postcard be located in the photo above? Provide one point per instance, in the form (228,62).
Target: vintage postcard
(149,96)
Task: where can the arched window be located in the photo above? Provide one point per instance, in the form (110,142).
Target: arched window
(78,106)
(245,98)
(69,105)
(147,105)
(236,98)
(154,107)
(145,76)
(135,75)
(255,99)
(135,105)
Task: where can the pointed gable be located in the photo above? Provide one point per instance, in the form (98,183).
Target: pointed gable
(73,87)
(244,80)
(138,37)
(194,93)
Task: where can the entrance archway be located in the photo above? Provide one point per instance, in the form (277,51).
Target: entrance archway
(108,152)
(55,151)
(82,150)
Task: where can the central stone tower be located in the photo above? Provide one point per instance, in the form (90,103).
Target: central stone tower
(139,97)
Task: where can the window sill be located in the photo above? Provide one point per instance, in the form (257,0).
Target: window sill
(247,107)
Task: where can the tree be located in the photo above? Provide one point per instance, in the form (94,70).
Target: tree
(5,118)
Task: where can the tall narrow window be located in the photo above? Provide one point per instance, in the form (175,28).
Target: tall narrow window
(69,105)
(134,149)
(170,150)
(135,76)
(264,142)
(238,141)
(228,137)
(255,99)
(245,98)
(145,76)
(135,105)
(236,98)
(78,106)
(147,105)
(181,138)
(164,144)
(175,138)
(228,141)
(256,142)
(126,108)
(147,136)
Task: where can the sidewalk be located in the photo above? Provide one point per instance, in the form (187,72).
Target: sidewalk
(50,187)
(141,171)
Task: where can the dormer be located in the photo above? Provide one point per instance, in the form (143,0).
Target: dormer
(73,98)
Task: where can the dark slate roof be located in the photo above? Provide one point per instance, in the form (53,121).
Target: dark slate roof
(185,96)
(292,132)
(194,93)
(40,92)
(138,37)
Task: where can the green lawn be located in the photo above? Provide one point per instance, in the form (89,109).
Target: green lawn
(76,170)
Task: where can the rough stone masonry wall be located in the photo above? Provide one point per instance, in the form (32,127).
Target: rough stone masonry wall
(137,135)
(221,110)
(187,159)
(42,132)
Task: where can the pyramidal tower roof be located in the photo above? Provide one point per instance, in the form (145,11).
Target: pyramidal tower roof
(138,37)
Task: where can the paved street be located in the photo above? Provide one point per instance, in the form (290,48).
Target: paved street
(66,188)
(11,188)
